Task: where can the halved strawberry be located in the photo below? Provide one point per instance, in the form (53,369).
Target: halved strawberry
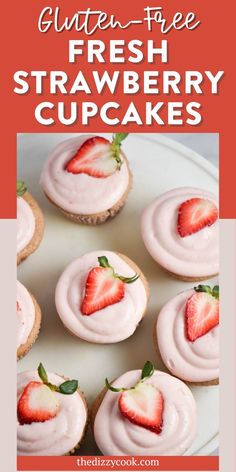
(143,405)
(201,312)
(38,403)
(103,287)
(97,157)
(195,214)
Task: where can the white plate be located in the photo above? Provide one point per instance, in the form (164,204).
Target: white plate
(158,164)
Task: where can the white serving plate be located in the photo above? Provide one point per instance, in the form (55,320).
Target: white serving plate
(158,164)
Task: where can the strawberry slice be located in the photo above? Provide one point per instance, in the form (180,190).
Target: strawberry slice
(103,287)
(194,215)
(201,312)
(37,403)
(143,405)
(97,157)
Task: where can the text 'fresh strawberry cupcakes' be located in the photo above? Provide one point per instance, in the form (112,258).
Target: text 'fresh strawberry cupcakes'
(88,178)
(28,320)
(101,297)
(145,413)
(30,223)
(180,230)
(187,334)
(52,414)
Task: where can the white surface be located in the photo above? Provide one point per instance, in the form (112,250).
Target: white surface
(158,165)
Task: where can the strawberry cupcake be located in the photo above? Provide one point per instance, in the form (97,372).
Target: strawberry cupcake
(28,320)
(187,335)
(180,230)
(30,223)
(51,412)
(145,413)
(88,178)
(101,297)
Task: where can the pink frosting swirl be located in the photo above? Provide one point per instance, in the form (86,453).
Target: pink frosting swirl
(111,324)
(196,255)
(196,361)
(57,436)
(80,193)
(116,435)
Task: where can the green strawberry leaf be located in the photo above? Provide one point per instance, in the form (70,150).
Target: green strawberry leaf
(203,288)
(115,389)
(68,387)
(207,289)
(128,280)
(103,262)
(216,291)
(42,373)
(20,188)
(118,138)
(148,370)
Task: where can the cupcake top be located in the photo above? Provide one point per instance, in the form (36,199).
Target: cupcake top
(157,417)
(25,224)
(180,230)
(188,335)
(50,423)
(82,176)
(100,297)
(25,314)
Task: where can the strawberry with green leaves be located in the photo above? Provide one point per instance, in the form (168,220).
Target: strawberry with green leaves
(202,311)
(38,402)
(98,157)
(142,404)
(103,287)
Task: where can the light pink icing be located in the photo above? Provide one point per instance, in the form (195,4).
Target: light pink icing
(116,435)
(25,315)
(80,193)
(57,436)
(25,224)
(196,361)
(196,255)
(111,324)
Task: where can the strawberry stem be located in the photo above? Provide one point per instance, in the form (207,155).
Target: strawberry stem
(103,262)
(116,145)
(207,289)
(67,388)
(147,372)
(20,188)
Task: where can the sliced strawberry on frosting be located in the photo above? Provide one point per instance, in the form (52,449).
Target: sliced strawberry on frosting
(143,405)
(97,157)
(37,403)
(103,287)
(202,312)
(195,214)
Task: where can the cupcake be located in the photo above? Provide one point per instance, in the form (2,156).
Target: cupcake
(145,413)
(101,297)
(187,335)
(51,413)
(28,320)
(30,223)
(88,178)
(180,231)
